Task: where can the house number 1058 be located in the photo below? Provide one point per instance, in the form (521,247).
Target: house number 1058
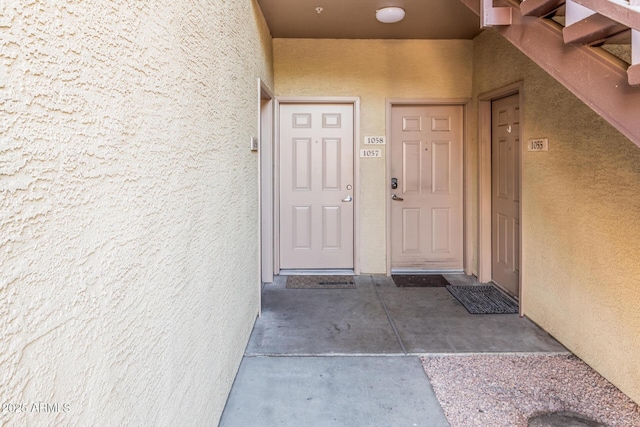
(377,140)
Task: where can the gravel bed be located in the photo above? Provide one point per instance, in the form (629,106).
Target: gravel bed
(505,390)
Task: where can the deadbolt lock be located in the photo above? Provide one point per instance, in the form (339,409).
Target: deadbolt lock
(394,183)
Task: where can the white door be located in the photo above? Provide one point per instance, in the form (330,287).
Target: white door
(426,169)
(505,197)
(316,186)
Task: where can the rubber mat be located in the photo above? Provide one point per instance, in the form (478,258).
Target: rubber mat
(483,300)
(420,280)
(320,282)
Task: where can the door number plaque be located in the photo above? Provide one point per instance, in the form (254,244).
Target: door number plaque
(540,144)
(371,152)
(374,140)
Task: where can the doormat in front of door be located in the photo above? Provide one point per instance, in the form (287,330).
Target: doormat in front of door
(420,280)
(320,282)
(483,300)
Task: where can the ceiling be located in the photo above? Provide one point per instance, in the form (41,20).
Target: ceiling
(355,19)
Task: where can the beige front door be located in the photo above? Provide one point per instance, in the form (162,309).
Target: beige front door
(426,205)
(316,186)
(505,197)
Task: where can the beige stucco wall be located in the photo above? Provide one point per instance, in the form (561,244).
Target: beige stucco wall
(581,266)
(128,207)
(373,70)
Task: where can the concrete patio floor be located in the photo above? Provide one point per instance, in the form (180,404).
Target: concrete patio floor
(338,357)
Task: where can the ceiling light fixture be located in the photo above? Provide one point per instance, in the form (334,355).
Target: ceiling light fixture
(389,15)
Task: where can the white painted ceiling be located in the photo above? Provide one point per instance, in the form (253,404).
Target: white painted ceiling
(356,19)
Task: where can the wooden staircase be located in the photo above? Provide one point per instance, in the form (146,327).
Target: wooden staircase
(592,47)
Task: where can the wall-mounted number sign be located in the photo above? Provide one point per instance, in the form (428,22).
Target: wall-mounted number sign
(377,140)
(540,144)
(371,152)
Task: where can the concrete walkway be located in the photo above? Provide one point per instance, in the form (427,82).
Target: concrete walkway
(349,357)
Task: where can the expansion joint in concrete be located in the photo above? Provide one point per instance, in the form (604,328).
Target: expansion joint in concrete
(393,326)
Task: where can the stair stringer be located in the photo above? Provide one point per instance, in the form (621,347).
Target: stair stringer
(596,77)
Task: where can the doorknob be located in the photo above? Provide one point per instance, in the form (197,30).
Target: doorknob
(348,199)
(394,197)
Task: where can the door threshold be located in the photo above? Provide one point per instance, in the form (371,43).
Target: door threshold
(323,272)
(423,271)
(505,290)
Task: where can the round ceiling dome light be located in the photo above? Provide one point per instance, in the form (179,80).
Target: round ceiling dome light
(389,15)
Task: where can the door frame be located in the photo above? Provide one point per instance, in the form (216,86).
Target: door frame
(485,250)
(265,187)
(467,218)
(355,102)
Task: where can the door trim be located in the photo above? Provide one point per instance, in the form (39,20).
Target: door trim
(467,218)
(265,187)
(484,182)
(355,102)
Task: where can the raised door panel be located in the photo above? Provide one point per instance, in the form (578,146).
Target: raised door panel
(441,230)
(331,228)
(502,240)
(301,227)
(411,168)
(441,167)
(331,164)
(411,218)
(301,163)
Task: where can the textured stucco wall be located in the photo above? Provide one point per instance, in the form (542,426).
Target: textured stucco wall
(128,207)
(580,216)
(373,70)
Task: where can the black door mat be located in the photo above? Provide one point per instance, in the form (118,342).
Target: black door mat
(320,282)
(420,280)
(483,300)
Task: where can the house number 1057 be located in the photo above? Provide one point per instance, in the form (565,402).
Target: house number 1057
(371,153)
